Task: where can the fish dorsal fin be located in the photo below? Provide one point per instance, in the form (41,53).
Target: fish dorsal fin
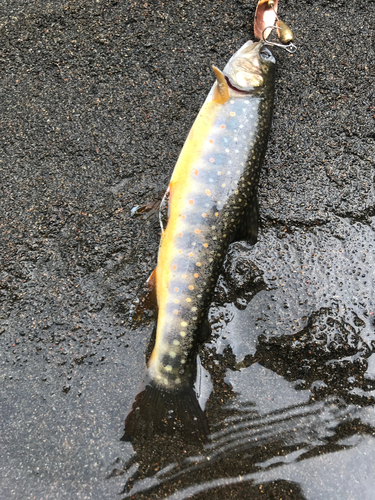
(221,92)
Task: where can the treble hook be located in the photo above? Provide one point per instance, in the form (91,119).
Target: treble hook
(291,48)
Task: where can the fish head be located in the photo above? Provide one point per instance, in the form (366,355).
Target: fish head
(249,68)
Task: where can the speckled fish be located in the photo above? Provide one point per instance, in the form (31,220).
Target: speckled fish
(212,202)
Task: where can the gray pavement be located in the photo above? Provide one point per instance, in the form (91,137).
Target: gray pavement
(96,101)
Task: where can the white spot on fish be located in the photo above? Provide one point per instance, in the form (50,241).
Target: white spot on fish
(176,342)
(177,381)
(183,323)
(168,368)
(172,354)
(183,334)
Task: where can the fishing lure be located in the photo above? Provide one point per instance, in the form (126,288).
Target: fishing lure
(265,16)
(264,23)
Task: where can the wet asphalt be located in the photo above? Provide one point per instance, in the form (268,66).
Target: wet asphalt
(96,101)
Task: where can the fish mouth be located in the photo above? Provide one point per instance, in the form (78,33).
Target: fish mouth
(244,71)
(255,81)
(233,87)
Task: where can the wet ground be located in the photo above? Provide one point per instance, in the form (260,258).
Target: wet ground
(96,101)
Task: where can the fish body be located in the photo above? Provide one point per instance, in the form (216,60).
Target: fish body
(212,189)
(212,202)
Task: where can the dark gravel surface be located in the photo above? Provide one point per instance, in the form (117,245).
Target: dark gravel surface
(96,100)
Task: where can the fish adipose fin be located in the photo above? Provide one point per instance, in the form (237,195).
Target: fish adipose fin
(248,228)
(156,411)
(221,92)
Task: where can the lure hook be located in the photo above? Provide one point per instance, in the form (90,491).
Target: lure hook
(291,48)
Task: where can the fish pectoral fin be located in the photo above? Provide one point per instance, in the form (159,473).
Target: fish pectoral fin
(248,228)
(221,91)
(148,210)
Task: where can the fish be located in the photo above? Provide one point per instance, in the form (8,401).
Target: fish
(212,197)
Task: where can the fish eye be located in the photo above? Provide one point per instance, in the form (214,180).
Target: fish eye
(265,54)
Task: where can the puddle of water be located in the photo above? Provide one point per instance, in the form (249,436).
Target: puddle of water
(287,376)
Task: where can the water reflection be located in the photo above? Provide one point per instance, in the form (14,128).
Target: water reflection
(247,437)
(288,386)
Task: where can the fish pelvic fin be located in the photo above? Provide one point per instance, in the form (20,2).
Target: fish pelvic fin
(221,91)
(157,411)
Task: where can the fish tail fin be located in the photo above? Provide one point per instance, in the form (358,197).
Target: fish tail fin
(157,411)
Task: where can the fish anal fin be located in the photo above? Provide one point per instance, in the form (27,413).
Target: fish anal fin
(221,91)
(147,300)
(151,281)
(150,300)
(248,228)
